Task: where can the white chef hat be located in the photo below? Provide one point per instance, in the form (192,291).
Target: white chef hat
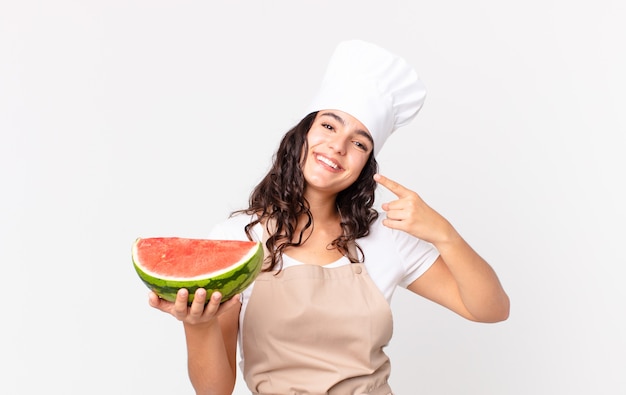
(377,87)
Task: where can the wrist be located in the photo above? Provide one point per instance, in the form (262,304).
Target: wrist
(201,326)
(448,238)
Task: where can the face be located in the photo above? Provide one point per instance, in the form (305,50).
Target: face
(338,149)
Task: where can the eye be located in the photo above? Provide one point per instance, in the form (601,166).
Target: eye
(360,145)
(328,126)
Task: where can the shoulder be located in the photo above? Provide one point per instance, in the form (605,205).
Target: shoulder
(381,236)
(395,252)
(379,245)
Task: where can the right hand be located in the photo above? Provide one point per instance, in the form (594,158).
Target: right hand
(197,313)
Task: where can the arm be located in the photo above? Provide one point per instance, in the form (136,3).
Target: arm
(211,338)
(464,283)
(459,279)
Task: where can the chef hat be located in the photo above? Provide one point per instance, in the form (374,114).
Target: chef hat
(378,88)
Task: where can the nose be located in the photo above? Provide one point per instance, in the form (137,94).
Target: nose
(338,143)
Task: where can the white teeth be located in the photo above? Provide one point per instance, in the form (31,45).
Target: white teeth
(327,161)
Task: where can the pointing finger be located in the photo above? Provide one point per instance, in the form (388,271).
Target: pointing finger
(397,189)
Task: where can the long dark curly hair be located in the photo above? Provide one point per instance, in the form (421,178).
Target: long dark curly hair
(279,199)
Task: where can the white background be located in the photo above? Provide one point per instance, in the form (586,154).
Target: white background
(121,119)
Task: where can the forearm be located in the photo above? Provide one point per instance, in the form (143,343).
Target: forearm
(460,280)
(479,287)
(210,370)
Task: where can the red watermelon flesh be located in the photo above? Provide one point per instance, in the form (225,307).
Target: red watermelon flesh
(167,264)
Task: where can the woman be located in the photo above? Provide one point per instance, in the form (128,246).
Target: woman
(318,317)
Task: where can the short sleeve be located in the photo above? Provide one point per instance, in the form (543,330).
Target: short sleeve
(417,256)
(395,258)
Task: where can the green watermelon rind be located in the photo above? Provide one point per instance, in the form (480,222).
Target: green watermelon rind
(229,283)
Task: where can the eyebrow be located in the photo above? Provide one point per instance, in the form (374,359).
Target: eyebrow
(360,132)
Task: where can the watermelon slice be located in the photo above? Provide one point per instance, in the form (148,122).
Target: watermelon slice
(167,264)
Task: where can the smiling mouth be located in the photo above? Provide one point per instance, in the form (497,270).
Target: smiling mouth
(328,162)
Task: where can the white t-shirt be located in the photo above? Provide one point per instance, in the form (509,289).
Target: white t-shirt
(392,257)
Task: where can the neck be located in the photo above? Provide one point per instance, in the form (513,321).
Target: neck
(326,228)
(323,208)
(325,213)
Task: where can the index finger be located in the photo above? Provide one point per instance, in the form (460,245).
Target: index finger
(397,189)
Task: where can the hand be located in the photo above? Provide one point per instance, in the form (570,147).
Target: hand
(411,214)
(198,312)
